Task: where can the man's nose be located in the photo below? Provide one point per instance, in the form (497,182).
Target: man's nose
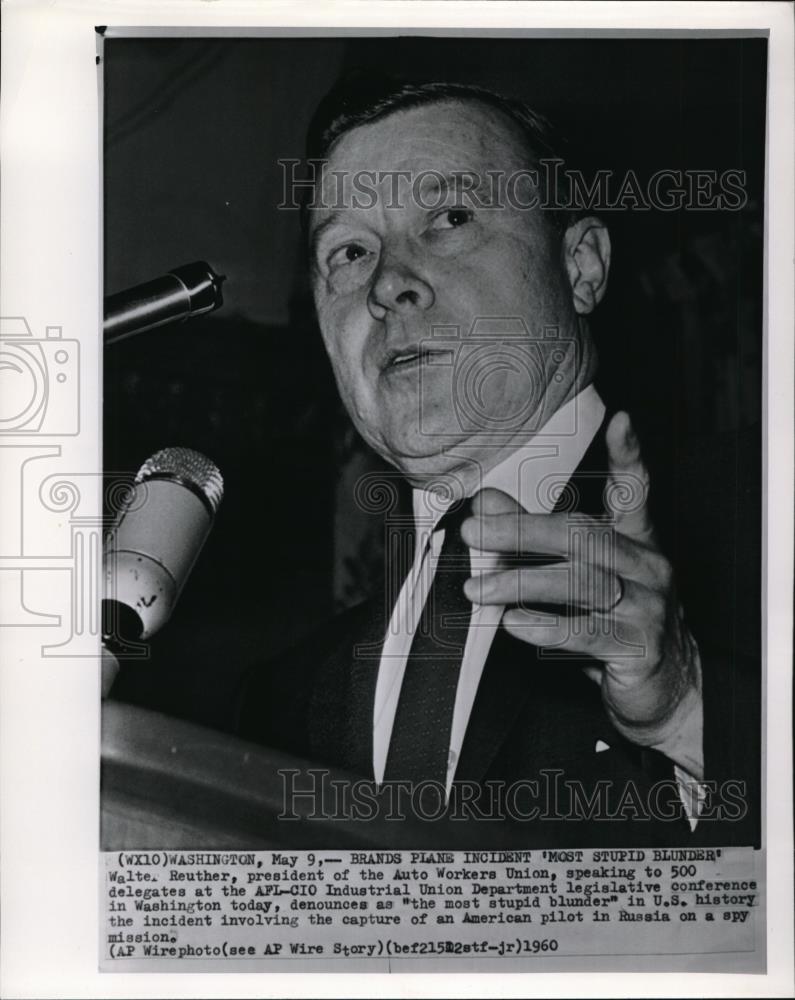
(398,288)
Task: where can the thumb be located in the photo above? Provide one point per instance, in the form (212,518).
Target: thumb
(627,490)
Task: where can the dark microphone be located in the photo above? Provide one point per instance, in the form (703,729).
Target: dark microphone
(151,549)
(187,291)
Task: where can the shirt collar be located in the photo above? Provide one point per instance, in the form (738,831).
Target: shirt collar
(534,472)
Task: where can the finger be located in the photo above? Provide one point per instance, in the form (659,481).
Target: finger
(574,586)
(606,638)
(575,537)
(627,490)
(491,501)
(517,533)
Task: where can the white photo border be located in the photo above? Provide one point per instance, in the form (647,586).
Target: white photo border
(51,259)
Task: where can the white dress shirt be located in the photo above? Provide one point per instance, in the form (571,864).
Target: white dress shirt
(527,475)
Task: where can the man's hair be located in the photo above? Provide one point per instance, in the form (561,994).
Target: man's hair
(360,98)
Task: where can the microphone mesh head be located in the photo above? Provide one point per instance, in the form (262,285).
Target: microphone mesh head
(189,466)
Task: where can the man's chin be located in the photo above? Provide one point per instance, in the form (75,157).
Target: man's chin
(419,443)
(426,458)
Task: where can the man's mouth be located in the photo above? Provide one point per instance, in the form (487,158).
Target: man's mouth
(408,358)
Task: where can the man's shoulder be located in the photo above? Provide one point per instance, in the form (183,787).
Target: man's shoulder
(320,642)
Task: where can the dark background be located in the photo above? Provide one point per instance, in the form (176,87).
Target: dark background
(193,131)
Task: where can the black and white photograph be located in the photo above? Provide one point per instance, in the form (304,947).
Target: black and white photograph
(426,580)
(476,367)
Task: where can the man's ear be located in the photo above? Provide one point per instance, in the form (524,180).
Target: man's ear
(586,251)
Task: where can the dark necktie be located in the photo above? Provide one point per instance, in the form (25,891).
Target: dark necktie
(420,744)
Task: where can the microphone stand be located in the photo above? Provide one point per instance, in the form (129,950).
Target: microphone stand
(187,291)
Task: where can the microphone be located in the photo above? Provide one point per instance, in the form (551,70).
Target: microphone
(187,291)
(155,542)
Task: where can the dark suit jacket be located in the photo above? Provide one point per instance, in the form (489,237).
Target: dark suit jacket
(535,718)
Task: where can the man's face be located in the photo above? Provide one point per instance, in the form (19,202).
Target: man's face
(450,328)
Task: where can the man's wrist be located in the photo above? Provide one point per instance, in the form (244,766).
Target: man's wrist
(679,734)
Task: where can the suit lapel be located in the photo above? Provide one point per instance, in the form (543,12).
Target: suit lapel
(503,692)
(341,712)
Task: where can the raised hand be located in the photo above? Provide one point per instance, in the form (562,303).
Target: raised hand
(627,613)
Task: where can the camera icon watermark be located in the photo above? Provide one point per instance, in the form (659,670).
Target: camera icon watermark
(50,537)
(499,377)
(39,381)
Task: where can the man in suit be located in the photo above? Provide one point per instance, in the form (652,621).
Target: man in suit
(529,648)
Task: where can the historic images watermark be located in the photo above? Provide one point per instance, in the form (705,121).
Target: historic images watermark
(547,796)
(493,378)
(498,372)
(39,408)
(551,185)
(41,381)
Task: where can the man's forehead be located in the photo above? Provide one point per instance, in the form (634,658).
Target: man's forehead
(446,136)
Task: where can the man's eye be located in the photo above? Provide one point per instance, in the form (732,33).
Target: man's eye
(452,218)
(348,254)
